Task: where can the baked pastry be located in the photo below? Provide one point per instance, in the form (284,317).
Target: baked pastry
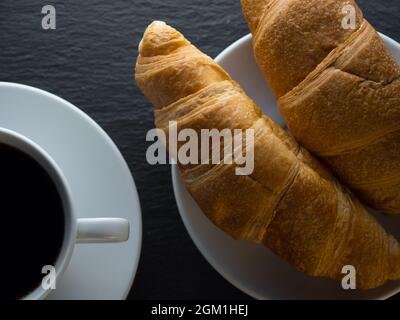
(290,203)
(338,88)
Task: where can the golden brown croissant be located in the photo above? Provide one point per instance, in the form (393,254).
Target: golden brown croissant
(338,90)
(290,202)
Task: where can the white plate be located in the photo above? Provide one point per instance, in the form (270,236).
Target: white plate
(100,182)
(252,268)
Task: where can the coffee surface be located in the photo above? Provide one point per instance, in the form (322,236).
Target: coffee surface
(32,221)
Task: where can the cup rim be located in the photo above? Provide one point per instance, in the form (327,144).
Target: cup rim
(29,147)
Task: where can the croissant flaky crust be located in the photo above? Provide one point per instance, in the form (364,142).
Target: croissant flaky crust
(290,203)
(338,90)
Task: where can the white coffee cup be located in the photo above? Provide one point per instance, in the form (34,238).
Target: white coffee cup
(91,230)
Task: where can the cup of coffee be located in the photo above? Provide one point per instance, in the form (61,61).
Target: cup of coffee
(39,222)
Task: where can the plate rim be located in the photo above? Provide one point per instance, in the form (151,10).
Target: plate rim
(175,181)
(111,144)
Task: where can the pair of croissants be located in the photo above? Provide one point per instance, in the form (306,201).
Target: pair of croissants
(339,92)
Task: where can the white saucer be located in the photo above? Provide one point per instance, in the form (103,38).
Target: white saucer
(252,268)
(100,182)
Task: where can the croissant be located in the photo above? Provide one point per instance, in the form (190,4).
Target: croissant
(338,88)
(290,203)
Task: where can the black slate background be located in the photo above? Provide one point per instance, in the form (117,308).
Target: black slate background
(89,61)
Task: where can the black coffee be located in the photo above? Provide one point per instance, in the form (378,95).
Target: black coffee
(32,223)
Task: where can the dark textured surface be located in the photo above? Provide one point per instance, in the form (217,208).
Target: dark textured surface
(89,61)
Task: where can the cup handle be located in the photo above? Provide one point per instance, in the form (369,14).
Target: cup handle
(102,230)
